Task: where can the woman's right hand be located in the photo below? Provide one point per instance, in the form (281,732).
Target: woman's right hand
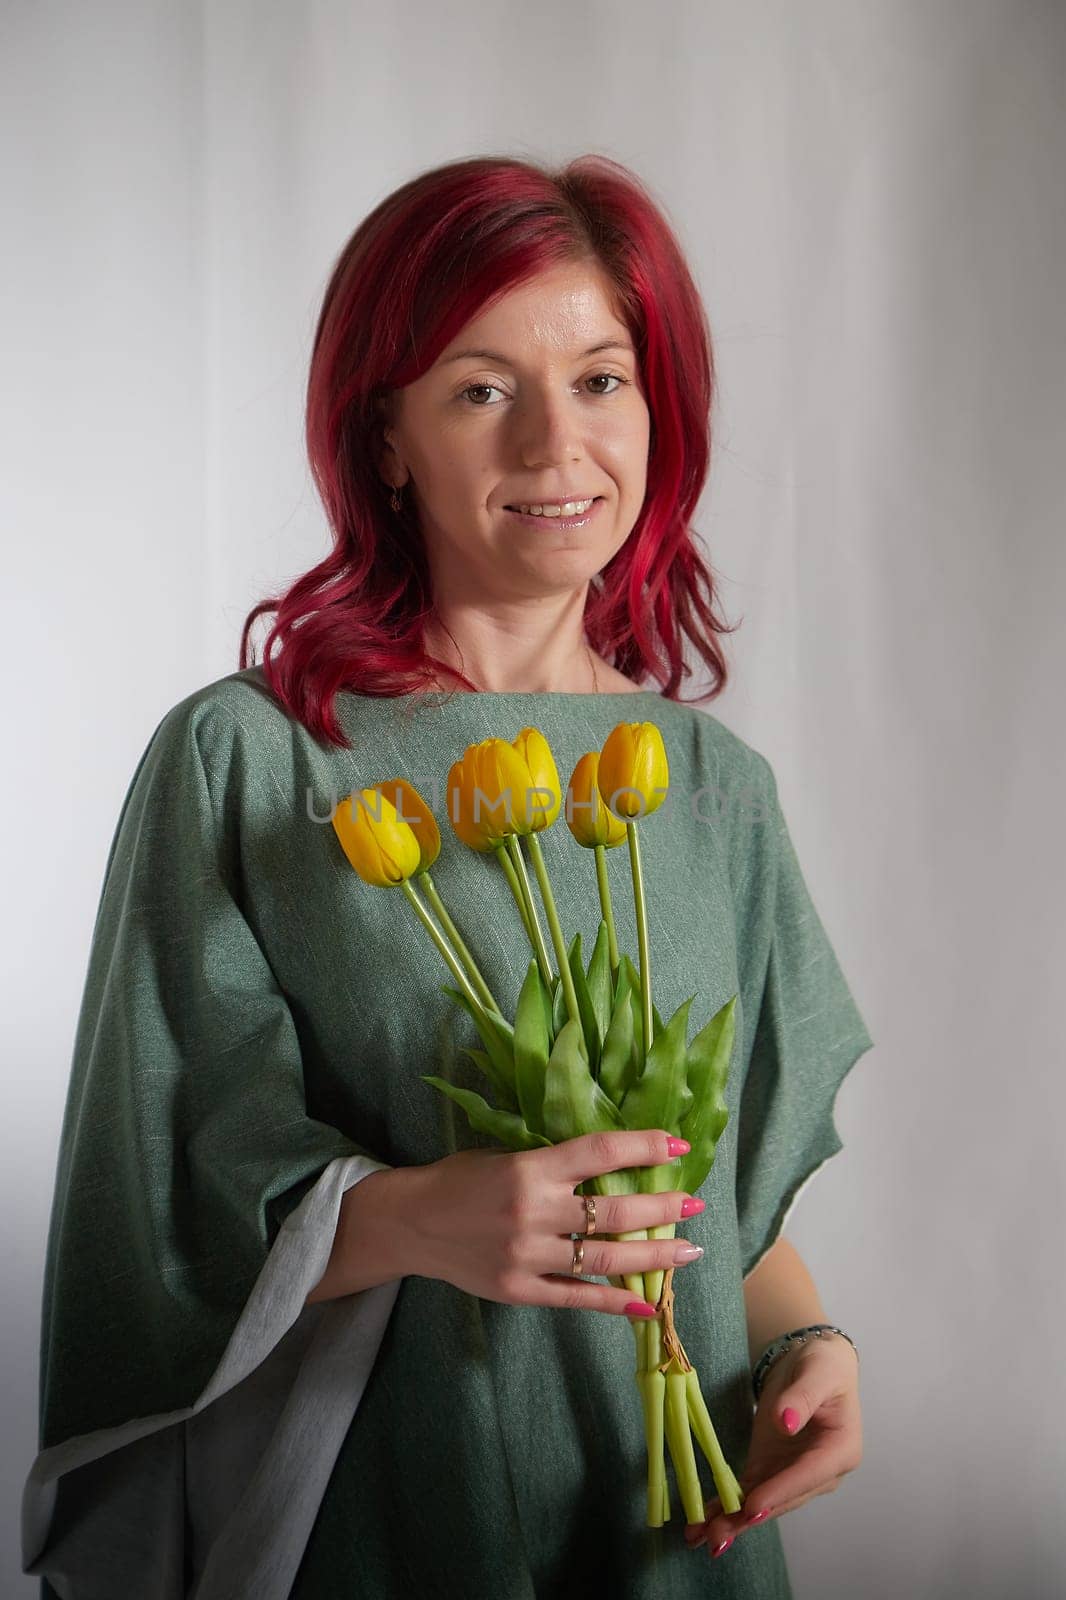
(497,1223)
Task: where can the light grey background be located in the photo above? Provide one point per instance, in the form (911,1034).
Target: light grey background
(870,193)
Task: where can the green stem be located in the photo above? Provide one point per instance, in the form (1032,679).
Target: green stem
(728,1489)
(652,1388)
(556,928)
(653,1394)
(600,852)
(539,947)
(442,945)
(654,1280)
(639,1330)
(655,1342)
(679,1436)
(642,935)
(500,852)
(658,1488)
(457,940)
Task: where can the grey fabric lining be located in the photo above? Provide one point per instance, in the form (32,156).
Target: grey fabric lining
(217,1500)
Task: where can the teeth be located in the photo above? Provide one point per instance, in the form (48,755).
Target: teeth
(572,508)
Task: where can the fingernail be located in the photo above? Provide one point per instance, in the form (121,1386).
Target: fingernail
(691,1206)
(688,1252)
(677,1147)
(791,1419)
(640,1308)
(720,1550)
(757,1518)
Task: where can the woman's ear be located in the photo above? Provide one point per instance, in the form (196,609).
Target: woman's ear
(389,464)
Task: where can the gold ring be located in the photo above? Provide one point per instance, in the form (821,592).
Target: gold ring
(579,1256)
(590,1213)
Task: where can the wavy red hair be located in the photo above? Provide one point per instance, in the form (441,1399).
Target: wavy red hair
(425,261)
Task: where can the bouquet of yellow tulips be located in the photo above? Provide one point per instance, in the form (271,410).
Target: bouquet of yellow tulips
(587,1050)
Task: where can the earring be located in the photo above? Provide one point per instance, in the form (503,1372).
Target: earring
(395,501)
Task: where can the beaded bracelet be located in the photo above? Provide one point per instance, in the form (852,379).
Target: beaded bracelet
(786,1341)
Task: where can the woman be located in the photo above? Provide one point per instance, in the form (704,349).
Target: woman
(304,1334)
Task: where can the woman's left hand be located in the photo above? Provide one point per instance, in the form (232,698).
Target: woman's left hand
(819,1383)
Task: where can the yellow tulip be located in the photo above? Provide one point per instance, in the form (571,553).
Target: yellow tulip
(535,751)
(487,798)
(588,819)
(632,766)
(412,809)
(382,848)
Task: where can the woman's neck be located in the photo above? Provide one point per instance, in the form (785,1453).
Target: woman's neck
(499,665)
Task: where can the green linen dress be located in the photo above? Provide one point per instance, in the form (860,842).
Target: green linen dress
(254,1028)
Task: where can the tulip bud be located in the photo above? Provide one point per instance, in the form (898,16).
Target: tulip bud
(383,849)
(487,794)
(632,768)
(587,817)
(412,809)
(541,809)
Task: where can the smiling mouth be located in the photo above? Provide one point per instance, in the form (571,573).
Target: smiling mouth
(559,515)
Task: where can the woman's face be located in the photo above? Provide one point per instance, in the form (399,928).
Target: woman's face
(538,421)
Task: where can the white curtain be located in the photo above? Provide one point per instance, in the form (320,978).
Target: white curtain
(870,193)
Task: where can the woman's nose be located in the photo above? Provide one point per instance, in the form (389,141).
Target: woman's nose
(548,430)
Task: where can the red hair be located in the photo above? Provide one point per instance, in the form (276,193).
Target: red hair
(426,260)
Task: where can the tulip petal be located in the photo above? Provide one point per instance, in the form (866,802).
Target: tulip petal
(544,799)
(412,808)
(379,845)
(632,768)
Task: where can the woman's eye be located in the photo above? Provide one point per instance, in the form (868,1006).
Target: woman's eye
(487,388)
(473,388)
(611,377)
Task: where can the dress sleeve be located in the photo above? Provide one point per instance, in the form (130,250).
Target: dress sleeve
(802,1031)
(194,1209)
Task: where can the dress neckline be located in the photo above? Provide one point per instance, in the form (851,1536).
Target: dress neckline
(445,696)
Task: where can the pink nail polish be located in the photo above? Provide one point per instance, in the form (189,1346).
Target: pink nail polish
(677,1147)
(759,1515)
(691,1206)
(791,1419)
(640,1308)
(721,1549)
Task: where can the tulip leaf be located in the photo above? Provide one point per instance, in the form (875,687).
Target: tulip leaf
(549,1017)
(661,1095)
(599,979)
(708,1058)
(560,1015)
(633,978)
(532,1046)
(503,1125)
(574,1103)
(560,1010)
(481,1060)
(497,1035)
(589,1023)
(633,1065)
(617,1060)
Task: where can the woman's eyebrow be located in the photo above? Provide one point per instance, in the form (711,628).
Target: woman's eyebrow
(504,361)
